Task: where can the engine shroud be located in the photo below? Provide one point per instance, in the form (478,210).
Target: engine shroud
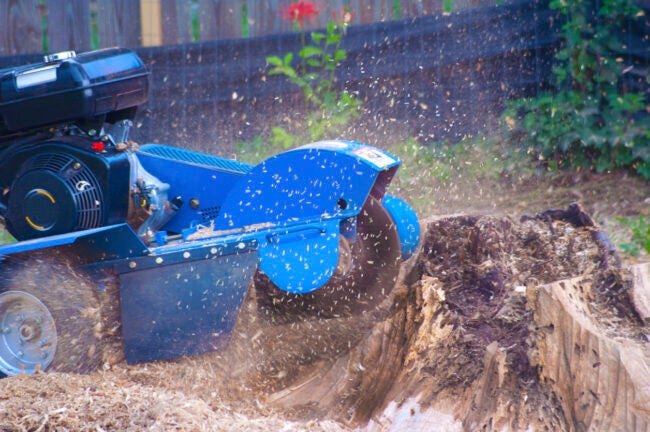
(108,83)
(60,187)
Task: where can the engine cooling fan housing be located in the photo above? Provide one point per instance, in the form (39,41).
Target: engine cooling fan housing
(55,193)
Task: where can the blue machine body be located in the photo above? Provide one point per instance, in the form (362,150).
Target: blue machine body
(181,294)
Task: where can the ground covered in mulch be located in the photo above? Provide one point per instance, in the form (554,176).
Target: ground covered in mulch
(458,303)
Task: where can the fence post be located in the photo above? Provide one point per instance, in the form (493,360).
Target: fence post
(20,21)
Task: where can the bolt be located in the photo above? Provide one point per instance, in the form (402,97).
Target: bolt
(6,330)
(20,353)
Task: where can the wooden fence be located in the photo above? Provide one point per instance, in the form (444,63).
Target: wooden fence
(437,76)
(35,26)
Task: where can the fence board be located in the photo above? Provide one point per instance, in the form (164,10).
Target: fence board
(168,22)
(118,23)
(369,11)
(415,8)
(68,25)
(21,27)
(437,77)
(220,19)
(176,21)
(264,18)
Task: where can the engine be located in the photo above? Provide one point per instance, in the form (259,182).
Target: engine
(60,187)
(64,160)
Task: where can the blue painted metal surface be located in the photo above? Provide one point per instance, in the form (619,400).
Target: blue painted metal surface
(301,260)
(195,177)
(320,180)
(407,223)
(293,203)
(183,303)
(104,243)
(181,295)
(305,195)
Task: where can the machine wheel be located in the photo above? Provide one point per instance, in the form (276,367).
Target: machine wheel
(49,315)
(365,276)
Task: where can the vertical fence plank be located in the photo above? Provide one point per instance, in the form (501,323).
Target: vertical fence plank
(264,17)
(118,23)
(415,8)
(220,19)
(151,26)
(333,7)
(369,11)
(176,21)
(68,25)
(20,21)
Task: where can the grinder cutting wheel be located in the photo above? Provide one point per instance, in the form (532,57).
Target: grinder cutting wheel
(312,227)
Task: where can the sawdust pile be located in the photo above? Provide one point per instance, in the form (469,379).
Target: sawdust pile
(113,401)
(465,346)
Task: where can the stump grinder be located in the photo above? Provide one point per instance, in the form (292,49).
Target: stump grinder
(160,245)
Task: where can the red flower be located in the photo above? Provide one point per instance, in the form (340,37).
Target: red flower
(298,11)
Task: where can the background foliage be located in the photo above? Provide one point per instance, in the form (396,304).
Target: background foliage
(590,118)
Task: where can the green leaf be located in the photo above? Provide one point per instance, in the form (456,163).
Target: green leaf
(333,39)
(317,37)
(340,54)
(274,61)
(310,51)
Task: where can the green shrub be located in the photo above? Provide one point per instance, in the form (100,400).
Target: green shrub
(640,235)
(588,120)
(328,110)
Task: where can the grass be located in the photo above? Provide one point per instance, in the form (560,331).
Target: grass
(444,169)
(5,237)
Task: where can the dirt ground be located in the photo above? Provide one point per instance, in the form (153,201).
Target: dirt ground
(463,346)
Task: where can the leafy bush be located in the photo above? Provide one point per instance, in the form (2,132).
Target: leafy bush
(589,120)
(327,109)
(640,235)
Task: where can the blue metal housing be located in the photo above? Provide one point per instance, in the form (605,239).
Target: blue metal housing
(181,294)
(293,203)
(407,223)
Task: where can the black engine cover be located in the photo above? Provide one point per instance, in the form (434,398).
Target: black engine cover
(107,82)
(58,187)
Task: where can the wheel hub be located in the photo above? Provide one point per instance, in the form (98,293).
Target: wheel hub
(27,334)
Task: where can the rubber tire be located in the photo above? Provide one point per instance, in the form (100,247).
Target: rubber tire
(369,281)
(71,299)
